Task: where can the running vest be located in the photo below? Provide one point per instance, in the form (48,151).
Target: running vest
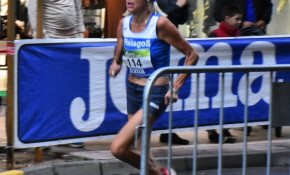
(143,52)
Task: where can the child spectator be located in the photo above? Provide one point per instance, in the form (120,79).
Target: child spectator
(255,12)
(229,27)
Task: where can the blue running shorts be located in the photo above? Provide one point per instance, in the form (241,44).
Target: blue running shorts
(135,99)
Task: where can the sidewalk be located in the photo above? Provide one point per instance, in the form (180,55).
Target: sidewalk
(95,157)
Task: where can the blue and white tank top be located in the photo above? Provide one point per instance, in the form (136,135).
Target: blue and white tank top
(144,52)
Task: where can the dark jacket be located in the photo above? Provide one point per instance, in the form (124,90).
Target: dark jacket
(225,31)
(177,15)
(263,9)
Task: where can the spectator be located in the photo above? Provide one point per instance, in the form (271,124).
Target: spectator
(22,22)
(256,12)
(229,27)
(61,19)
(256,15)
(176,10)
(177,13)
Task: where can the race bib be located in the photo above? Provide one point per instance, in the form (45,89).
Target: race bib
(138,62)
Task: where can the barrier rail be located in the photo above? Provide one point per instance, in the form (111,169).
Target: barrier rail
(197,70)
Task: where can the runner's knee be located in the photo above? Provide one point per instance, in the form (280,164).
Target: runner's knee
(117,150)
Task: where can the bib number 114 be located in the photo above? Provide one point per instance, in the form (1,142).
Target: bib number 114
(134,62)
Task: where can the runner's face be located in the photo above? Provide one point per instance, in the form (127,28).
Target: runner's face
(134,6)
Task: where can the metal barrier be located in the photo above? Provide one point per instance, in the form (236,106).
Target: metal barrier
(197,70)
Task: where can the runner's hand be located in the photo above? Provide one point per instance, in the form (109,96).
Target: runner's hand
(114,69)
(167,96)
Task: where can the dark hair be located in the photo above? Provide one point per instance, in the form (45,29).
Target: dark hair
(231,10)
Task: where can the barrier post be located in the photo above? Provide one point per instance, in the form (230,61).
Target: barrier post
(40,7)
(10,87)
(38,150)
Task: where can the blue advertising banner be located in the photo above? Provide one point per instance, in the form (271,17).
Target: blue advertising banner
(64,93)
